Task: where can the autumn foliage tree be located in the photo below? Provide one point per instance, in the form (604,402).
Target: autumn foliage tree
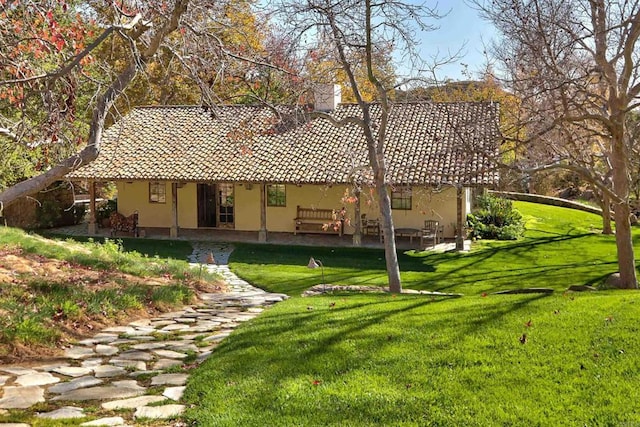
(69,67)
(322,66)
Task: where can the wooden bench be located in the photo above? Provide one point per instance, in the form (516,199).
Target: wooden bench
(309,220)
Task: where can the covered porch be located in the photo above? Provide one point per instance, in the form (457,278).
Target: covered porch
(251,215)
(276,238)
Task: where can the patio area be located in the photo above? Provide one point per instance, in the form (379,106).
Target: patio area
(226,235)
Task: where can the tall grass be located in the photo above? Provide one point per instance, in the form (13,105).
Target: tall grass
(38,310)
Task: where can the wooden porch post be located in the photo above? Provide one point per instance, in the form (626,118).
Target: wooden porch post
(173,232)
(459,220)
(262,234)
(92,208)
(357,236)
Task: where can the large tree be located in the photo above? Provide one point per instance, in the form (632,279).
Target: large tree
(575,64)
(66,66)
(46,63)
(354,33)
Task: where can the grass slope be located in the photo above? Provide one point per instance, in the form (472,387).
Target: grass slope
(565,359)
(52,292)
(562,247)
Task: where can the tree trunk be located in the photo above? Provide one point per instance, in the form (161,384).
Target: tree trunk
(37,183)
(262,233)
(391,256)
(460,235)
(624,243)
(606,214)
(357,219)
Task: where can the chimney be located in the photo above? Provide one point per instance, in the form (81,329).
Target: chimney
(327,97)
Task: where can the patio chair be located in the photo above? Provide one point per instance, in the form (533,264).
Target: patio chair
(430,232)
(370,227)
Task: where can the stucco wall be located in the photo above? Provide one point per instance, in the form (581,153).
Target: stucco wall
(426,204)
(247,207)
(134,196)
(187,207)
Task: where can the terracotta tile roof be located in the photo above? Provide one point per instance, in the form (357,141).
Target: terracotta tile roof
(426,144)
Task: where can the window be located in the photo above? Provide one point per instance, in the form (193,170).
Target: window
(157,192)
(276,195)
(401,198)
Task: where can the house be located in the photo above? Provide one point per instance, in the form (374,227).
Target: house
(251,168)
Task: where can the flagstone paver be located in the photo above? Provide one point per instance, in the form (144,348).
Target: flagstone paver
(101,392)
(174,393)
(132,403)
(111,368)
(159,412)
(76,383)
(21,397)
(73,371)
(169,354)
(106,350)
(108,371)
(169,379)
(109,421)
(39,378)
(63,413)
(16,370)
(79,353)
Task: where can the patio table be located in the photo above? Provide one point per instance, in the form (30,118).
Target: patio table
(411,232)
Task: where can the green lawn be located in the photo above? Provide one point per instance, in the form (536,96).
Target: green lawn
(494,360)
(562,247)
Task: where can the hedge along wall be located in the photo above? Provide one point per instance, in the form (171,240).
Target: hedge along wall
(52,207)
(546,200)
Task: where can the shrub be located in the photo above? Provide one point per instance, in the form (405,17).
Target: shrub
(495,219)
(48,214)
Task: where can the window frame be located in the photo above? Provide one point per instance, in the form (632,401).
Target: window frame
(277,193)
(402,198)
(159,190)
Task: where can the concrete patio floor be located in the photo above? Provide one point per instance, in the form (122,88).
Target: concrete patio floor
(231,236)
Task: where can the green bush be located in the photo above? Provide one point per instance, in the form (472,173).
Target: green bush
(495,219)
(48,213)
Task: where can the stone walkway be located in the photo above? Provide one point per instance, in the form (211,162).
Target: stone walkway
(125,367)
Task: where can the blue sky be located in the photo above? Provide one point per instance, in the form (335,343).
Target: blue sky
(461,25)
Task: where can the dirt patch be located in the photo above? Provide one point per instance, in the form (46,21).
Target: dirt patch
(19,270)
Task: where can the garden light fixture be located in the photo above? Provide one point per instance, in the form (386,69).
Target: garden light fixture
(315,263)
